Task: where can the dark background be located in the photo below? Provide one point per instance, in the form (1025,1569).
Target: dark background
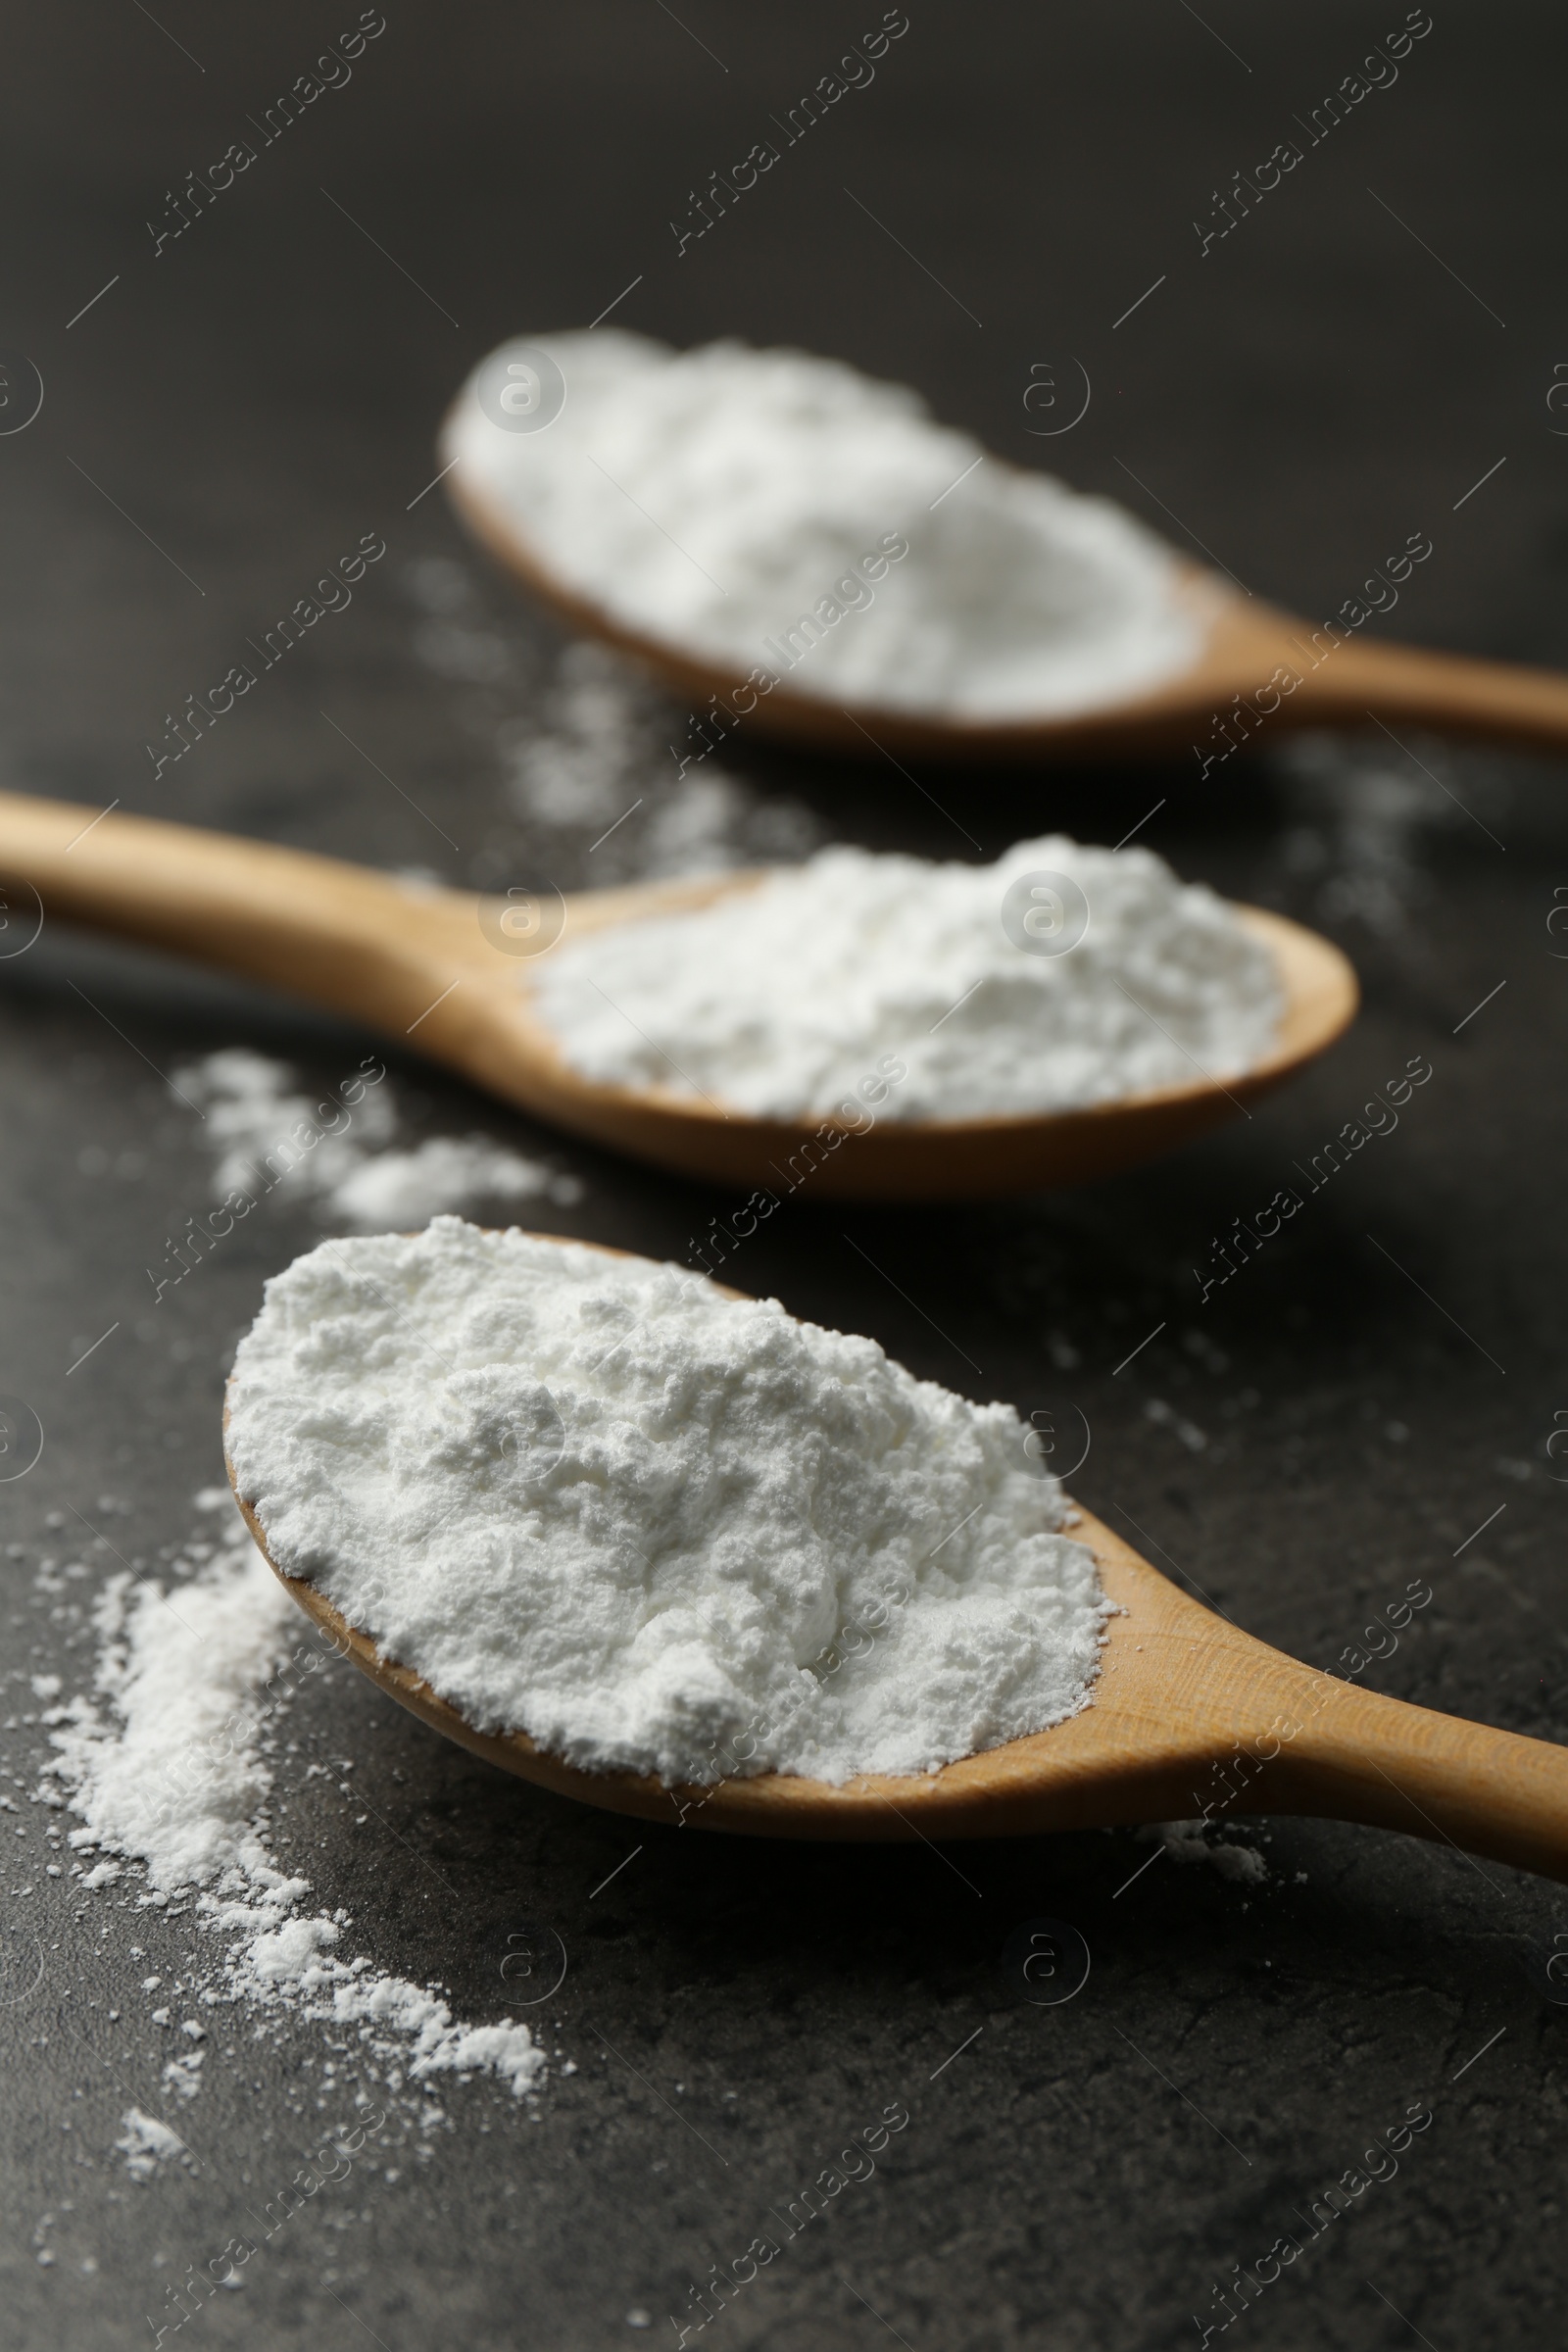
(1303,398)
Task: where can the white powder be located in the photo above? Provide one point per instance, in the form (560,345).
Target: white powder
(175,1776)
(410,1188)
(146,2144)
(257,1121)
(785,1001)
(594,1500)
(1185,1841)
(589,770)
(747,506)
(166,1767)
(334,1152)
(182,2075)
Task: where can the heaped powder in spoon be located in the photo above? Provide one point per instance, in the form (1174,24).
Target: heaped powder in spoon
(1059,976)
(594,1500)
(769,509)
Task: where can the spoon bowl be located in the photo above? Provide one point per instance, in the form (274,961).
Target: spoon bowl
(1189,1717)
(448,972)
(1256,667)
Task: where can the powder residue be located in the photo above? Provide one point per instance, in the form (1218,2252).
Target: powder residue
(584,749)
(784,1000)
(147,2144)
(409,1188)
(595,1499)
(338,1153)
(165,1764)
(1186,1841)
(773,509)
(589,768)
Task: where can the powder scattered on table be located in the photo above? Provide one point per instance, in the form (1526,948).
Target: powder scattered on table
(166,1764)
(579,761)
(578,735)
(1188,1842)
(338,1153)
(594,1500)
(146,2144)
(444,1172)
(776,511)
(888,984)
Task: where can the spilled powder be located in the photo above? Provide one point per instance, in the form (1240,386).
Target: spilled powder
(146,2144)
(1186,1841)
(167,1763)
(612,782)
(339,1151)
(444,1172)
(614,787)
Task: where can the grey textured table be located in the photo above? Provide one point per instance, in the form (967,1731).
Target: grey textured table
(232,408)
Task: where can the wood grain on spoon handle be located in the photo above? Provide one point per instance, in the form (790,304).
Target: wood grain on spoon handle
(1450,692)
(1280,1736)
(1481,1791)
(1191,1712)
(1262,671)
(410,959)
(439,968)
(339,935)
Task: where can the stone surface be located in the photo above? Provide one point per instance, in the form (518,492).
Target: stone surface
(235,411)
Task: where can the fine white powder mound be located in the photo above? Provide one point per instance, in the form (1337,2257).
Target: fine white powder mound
(811,993)
(750,506)
(594,1500)
(165,1764)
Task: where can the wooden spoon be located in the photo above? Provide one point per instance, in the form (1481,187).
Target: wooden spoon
(1259,667)
(1190,1717)
(448,972)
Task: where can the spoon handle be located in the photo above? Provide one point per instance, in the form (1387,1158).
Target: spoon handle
(1354,1755)
(1409,685)
(341,936)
